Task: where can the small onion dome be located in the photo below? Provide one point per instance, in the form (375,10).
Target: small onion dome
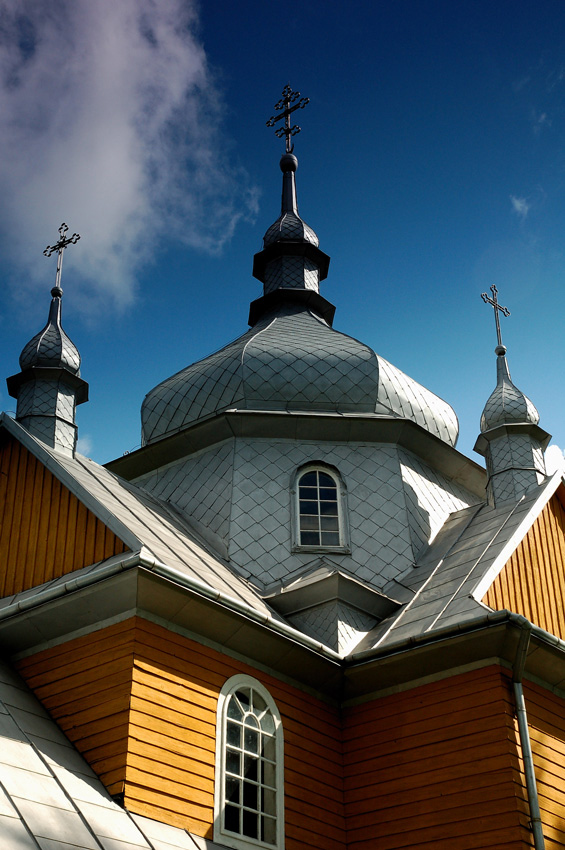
(507,405)
(289,227)
(51,347)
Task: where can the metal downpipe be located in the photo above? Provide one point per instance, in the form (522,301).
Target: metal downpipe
(524,735)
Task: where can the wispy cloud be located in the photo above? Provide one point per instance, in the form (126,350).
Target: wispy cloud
(524,206)
(520,206)
(540,120)
(521,83)
(555,77)
(84,445)
(110,120)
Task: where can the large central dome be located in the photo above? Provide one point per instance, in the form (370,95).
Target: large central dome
(292,359)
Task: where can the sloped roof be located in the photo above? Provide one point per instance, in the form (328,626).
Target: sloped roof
(50,798)
(455,571)
(448,582)
(143,522)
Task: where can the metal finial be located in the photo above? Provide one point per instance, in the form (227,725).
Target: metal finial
(60,247)
(288,97)
(497,308)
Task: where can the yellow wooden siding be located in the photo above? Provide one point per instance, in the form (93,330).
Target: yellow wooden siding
(45,532)
(436,767)
(149,731)
(85,684)
(546,718)
(533,581)
(179,680)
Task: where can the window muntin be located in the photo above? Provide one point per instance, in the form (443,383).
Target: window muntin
(250,778)
(318,510)
(249,794)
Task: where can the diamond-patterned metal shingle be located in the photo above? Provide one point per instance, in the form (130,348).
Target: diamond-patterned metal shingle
(507,404)
(290,227)
(293,360)
(51,346)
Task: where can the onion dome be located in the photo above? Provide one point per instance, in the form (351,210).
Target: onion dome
(49,387)
(289,226)
(291,258)
(507,405)
(292,359)
(511,440)
(51,347)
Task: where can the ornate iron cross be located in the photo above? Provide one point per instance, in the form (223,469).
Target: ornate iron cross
(288,97)
(60,247)
(497,309)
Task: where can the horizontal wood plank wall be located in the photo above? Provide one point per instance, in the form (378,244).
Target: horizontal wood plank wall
(85,684)
(436,767)
(533,581)
(149,728)
(170,772)
(45,532)
(546,718)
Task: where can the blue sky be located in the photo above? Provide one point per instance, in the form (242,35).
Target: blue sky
(431,166)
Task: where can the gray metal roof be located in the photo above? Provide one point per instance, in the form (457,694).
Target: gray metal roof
(293,360)
(51,347)
(455,571)
(141,521)
(50,799)
(506,404)
(450,578)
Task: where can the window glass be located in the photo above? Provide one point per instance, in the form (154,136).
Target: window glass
(318,509)
(250,782)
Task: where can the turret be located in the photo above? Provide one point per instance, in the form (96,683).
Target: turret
(511,440)
(291,265)
(49,385)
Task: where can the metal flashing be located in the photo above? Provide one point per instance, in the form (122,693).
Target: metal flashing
(50,373)
(335,585)
(298,425)
(308,297)
(483,440)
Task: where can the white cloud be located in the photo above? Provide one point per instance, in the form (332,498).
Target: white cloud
(109,120)
(520,206)
(554,460)
(84,445)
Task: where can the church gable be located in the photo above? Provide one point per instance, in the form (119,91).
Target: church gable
(532,583)
(139,702)
(85,684)
(45,531)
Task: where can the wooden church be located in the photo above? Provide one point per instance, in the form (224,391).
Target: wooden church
(297,617)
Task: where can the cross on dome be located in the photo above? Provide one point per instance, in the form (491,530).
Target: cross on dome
(497,309)
(60,246)
(288,96)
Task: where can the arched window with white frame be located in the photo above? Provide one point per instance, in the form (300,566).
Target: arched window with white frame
(320,510)
(248,802)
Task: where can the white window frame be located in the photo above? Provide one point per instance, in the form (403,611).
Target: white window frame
(297,546)
(221,834)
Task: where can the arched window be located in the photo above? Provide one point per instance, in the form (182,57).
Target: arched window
(320,510)
(249,767)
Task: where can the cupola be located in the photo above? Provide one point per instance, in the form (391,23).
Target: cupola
(511,440)
(292,359)
(49,385)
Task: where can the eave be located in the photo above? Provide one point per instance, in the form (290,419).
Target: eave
(320,426)
(130,588)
